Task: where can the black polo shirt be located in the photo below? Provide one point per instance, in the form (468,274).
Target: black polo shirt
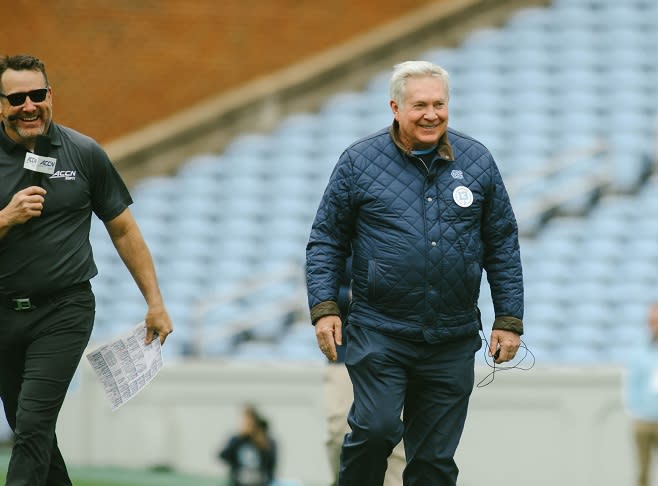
(52,251)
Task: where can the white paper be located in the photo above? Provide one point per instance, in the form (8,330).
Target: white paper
(126,365)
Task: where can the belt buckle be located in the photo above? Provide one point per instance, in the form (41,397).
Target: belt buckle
(22,304)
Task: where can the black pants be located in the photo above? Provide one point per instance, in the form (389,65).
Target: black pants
(432,382)
(39,352)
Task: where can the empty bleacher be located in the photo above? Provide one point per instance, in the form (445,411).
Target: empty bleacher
(565,97)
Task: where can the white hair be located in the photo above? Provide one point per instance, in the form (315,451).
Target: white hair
(415,69)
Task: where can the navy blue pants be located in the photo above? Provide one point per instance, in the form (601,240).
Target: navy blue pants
(39,352)
(431,382)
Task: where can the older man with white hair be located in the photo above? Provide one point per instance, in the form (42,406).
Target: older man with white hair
(422,210)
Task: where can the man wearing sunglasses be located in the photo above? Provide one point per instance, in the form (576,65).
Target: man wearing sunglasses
(46,303)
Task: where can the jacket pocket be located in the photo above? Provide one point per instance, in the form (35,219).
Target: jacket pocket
(469,265)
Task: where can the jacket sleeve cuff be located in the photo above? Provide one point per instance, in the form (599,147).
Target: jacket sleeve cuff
(508,323)
(326,308)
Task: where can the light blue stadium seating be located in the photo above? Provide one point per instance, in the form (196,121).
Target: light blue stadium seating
(547,269)
(535,19)
(551,79)
(300,344)
(256,351)
(576,354)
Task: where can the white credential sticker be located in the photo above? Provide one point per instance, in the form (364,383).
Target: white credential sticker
(462,196)
(39,163)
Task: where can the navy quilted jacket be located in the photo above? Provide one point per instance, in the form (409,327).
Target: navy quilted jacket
(420,237)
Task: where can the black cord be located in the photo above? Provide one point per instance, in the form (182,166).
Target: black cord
(516,364)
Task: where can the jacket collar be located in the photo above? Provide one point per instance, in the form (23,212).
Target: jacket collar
(443,148)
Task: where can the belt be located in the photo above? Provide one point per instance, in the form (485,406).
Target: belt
(22,303)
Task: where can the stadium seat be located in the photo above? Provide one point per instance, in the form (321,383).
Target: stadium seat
(530,19)
(553,270)
(574,15)
(609,245)
(576,354)
(255,351)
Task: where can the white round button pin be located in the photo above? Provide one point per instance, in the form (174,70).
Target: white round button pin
(462,196)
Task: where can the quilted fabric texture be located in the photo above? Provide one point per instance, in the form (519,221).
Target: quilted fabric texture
(420,237)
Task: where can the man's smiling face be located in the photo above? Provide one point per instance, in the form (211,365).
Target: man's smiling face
(423,115)
(24,122)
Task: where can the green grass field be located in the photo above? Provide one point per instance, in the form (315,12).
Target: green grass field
(110,476)
(124,477)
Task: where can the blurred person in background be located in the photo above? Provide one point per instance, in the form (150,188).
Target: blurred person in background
(252,453)
(339,397)
(46,303)
(641,393)
(422,209)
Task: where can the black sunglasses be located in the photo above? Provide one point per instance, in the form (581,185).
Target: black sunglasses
(17,99)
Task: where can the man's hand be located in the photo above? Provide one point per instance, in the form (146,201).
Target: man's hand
(329,333)
(505,343)
(24,205)
(158,323)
